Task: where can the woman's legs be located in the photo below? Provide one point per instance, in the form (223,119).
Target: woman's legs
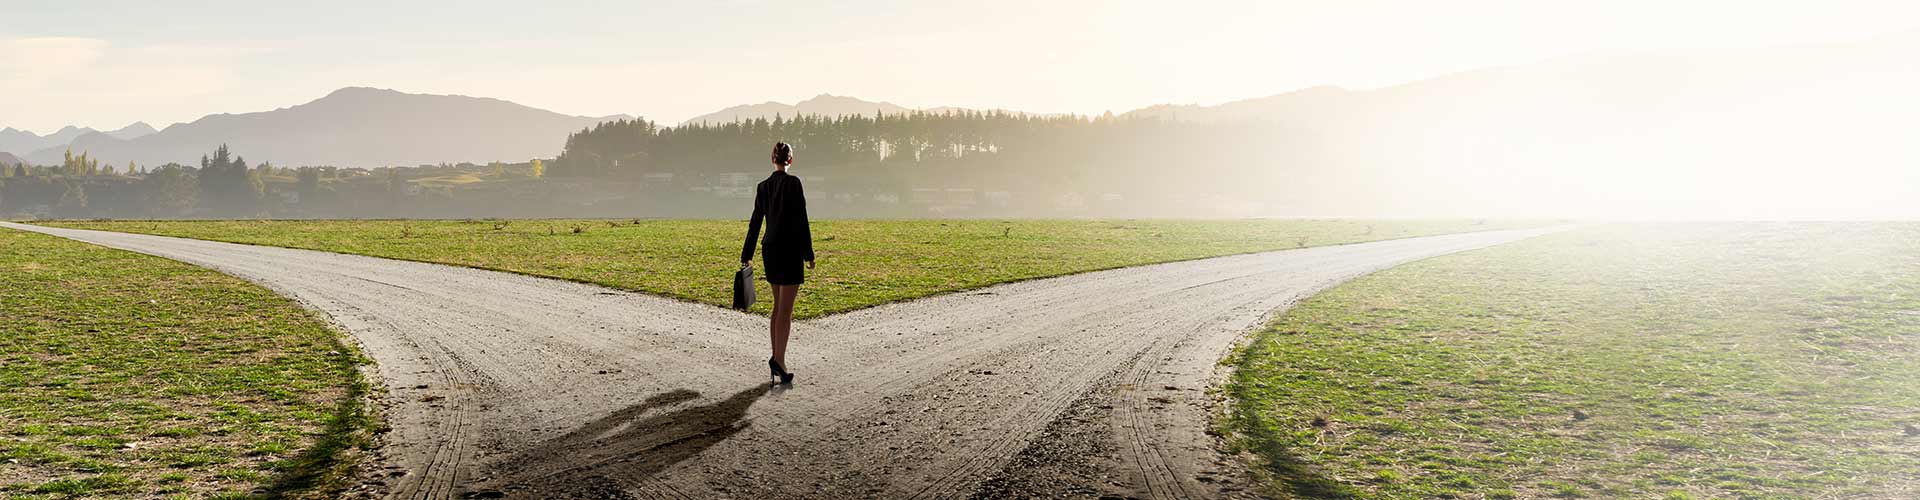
(782,324)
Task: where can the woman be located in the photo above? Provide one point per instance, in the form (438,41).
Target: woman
(780,201)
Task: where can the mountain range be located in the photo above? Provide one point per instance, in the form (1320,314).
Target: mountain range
(21,141)
(353,126)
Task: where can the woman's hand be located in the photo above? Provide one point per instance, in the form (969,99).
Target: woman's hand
(746,264)
(809,265)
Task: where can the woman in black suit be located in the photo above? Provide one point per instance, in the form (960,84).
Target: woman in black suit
(780,201)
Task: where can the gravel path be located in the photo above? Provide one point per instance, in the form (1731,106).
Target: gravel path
(508,385)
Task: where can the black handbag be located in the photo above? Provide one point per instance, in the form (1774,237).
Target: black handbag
(743,288)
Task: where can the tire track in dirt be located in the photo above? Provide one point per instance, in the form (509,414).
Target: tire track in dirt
(527,387)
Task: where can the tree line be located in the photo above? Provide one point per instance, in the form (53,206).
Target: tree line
(222,186)
(918,164)
(225,185)
(1150,165)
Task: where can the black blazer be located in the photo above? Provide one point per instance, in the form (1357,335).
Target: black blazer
(781,201)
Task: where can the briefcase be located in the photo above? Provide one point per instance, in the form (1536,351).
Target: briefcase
(743,288)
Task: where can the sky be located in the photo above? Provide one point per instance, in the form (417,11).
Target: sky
(104,64)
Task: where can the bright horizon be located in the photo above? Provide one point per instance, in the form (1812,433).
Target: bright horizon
(105,64)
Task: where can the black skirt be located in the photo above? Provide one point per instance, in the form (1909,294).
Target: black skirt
(783,271)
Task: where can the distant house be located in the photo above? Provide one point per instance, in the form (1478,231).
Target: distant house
(999,198)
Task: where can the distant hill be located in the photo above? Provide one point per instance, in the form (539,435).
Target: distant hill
(133,131)
(351,127)
(8,159)
(12,139)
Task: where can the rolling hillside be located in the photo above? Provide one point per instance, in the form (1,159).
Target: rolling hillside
(355,126)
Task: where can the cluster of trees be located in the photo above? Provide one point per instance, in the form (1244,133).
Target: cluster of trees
(225,185)
(81,165)
(72,191)
(1156,166)
(634,146)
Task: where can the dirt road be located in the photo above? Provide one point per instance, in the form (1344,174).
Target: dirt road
(510,385)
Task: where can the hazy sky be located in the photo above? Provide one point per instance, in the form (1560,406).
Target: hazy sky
(106,64)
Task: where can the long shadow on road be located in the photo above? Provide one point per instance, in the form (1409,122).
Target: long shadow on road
(625,449)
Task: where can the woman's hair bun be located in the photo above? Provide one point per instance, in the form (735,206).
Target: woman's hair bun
(782,153)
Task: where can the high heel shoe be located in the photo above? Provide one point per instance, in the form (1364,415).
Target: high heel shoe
(779,372)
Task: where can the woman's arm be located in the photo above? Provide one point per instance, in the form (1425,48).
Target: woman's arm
(806,234)
(753,225)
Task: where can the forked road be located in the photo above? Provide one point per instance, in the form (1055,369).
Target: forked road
(530,387)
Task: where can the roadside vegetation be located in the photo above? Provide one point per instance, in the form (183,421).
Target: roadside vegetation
(862,263)
(1627,361)
(129,376)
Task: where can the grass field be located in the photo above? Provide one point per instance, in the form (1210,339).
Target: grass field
(129,376)
(861,263)
(1629,361)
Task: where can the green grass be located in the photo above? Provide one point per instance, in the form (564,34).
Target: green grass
(129,376)
(862,263)
(1626,361)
